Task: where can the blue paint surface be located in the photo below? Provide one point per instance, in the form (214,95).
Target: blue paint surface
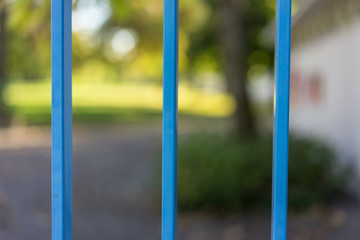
(281,120)
(170,112)
(61,119)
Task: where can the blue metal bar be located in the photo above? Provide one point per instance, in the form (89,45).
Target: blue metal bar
(61,119)
(281,120)
(170,111)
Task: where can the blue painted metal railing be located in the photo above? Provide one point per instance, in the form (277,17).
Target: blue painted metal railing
(281,120)
(62,120)
(170,111)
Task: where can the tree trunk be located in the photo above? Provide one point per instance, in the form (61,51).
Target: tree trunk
(4,117)
(233,43)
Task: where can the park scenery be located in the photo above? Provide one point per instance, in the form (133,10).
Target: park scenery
(225,119)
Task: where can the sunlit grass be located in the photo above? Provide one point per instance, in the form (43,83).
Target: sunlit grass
(32,101)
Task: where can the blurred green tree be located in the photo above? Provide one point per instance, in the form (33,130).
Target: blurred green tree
(4,119)
(215,35)
(29,49)
(232,33)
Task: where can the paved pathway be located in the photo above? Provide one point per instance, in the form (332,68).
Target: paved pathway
(113,198)
(111,168)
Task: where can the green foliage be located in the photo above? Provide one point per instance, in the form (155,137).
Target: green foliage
(28,39)
(252,15)
(28,50)
(223,173)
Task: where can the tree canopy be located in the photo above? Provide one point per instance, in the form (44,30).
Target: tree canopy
(121,40)
(124,38)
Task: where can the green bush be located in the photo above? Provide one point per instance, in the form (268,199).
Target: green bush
(223,173)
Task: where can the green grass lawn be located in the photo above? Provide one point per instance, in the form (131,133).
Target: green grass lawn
(112,102)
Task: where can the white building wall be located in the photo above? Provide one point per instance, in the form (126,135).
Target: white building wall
(335,115)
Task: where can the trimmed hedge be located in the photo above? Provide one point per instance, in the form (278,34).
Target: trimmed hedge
(223,173)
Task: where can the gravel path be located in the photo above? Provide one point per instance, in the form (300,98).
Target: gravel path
(113,198)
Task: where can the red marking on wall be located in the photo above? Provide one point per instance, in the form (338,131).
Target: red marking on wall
(306,88)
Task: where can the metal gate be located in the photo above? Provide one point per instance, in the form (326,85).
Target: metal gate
(61,111)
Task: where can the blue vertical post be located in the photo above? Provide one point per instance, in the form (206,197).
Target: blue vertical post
(61,119)
(170,111)
(281,120)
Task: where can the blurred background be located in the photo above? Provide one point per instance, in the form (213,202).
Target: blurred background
(226,61)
